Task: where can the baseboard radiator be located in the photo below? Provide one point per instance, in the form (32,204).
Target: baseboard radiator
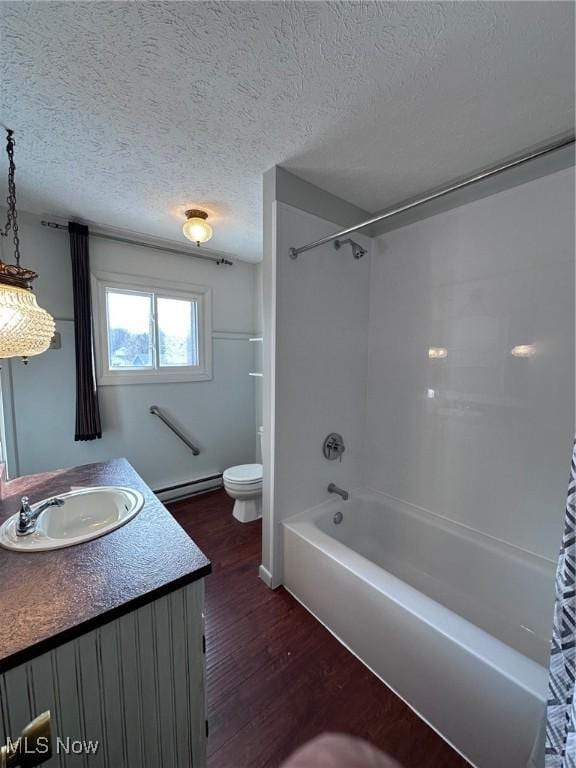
(189,488)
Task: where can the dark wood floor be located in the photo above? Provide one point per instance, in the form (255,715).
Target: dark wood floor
(276,677)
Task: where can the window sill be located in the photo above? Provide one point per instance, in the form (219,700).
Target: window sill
(180,377)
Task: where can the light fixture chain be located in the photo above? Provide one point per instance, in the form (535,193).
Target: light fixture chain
(12,217)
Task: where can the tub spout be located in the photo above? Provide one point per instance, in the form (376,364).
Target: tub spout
(334,489)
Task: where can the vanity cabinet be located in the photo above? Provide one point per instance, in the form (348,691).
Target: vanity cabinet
(108,636)
(129,694)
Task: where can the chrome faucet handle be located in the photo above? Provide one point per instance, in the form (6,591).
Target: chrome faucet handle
(24,517)
(28,518)
(333,447)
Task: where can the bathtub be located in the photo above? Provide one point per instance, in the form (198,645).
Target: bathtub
(458,624)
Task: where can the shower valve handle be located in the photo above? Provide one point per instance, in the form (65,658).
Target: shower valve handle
(333,447)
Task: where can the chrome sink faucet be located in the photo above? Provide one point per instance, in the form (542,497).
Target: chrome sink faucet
(334,489)
(27,518)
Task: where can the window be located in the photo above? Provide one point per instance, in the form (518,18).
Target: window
(151,333)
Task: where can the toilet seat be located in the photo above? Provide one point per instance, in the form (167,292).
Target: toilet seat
(244,475)
(243,483)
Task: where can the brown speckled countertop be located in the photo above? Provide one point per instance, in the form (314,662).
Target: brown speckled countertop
(48,598)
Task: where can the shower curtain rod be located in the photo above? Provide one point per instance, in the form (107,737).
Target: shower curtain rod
(295,252)
(220,260)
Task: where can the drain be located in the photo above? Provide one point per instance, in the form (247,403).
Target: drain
(338,517)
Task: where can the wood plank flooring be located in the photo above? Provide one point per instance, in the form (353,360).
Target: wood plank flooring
(275,676)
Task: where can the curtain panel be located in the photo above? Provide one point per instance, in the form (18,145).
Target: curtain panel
(88,426)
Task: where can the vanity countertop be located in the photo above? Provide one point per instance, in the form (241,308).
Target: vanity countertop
(48,598)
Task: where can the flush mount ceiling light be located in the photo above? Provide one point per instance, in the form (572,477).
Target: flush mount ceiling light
(25,328)
(195,227)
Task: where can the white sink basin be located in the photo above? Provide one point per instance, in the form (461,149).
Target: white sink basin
(86,514)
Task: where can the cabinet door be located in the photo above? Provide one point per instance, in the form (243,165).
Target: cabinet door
(129,694)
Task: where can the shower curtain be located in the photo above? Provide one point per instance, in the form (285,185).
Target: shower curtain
(561,705)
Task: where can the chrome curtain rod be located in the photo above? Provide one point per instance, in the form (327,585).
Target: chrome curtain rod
(221,260)
(495,170)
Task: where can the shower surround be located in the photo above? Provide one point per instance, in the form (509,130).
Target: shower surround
(445,359)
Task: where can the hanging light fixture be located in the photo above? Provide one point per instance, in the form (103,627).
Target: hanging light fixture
(195,227)
(25,328)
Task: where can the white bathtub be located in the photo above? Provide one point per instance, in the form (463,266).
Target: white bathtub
(456,623)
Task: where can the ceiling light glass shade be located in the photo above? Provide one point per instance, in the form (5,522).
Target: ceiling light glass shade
(25,328)
(196,228)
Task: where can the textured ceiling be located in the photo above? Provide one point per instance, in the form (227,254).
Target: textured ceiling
(126,113)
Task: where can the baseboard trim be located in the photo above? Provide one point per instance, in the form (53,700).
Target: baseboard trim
(268,578)
(265,575)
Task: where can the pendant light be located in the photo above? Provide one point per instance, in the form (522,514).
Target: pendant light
(25,328)
(196,228)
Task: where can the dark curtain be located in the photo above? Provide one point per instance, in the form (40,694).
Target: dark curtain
(88,425)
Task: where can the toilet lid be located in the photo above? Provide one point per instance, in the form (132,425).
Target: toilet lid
(244,473)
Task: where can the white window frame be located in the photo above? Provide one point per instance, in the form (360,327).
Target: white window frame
(101,281)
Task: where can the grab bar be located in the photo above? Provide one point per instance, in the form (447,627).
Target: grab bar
(155,411)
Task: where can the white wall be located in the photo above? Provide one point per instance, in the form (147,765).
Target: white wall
(491,448)
(321,315)
(218,414)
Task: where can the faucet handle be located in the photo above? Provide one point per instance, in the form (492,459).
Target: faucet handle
(333,447)
(23,518)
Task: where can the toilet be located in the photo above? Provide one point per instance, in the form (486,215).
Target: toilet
(244,484)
